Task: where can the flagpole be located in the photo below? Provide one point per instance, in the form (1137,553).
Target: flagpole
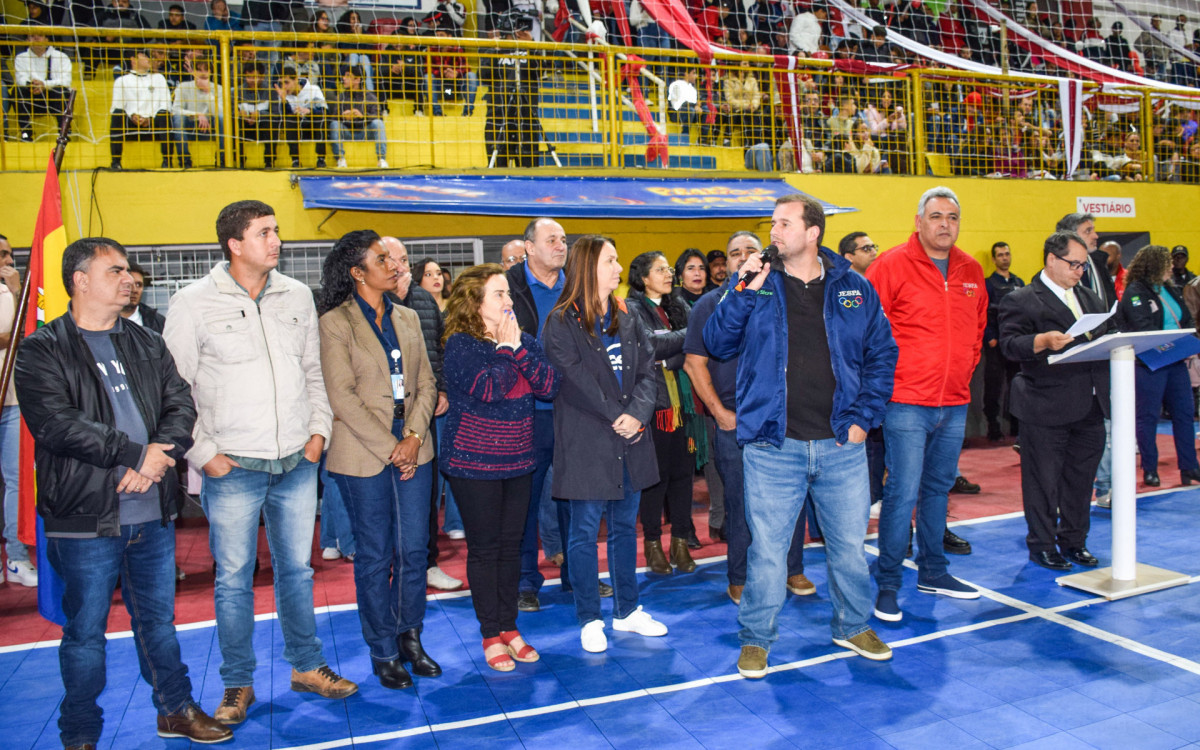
(10,356)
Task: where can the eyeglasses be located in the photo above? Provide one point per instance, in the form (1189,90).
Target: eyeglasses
(1074,264)
(665,270)
(514,258)
(867,248)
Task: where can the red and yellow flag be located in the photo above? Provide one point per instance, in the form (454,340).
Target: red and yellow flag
(49,241)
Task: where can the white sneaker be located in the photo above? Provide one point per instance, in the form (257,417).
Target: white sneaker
(383,164)
(341,163)
(22,572)
(437,579)
(330,553)
(593,638)
(639,621)
(456,534)
(875,508)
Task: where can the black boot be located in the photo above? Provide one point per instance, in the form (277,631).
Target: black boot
(412,651)
(392,674)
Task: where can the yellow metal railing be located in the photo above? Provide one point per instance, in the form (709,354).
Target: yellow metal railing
(456,103)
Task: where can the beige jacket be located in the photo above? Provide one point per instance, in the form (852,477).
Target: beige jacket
(255,369)
(359,384)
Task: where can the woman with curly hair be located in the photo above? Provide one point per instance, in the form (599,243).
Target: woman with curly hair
(428,274)
(665,320)
(1152,303)
(493,372)
(602,456)
(382,392)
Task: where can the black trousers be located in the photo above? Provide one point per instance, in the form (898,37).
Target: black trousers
(310,127)
(51,101)
(121,129)
(674,487)
(493,514)
(1058,465)
(998,373)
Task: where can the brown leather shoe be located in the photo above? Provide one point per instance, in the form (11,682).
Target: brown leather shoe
(655,559)
(735,593)
(681,556)
(800,585)
(193,724)
(234,704)
(324,682)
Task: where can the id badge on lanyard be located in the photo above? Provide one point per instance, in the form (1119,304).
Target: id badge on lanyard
(397,377)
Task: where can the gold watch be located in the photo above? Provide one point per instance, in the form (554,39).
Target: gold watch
(414,433)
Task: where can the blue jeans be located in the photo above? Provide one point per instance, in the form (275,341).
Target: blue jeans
(336,531)
(453,519)
(391,525)
(728,458)
(144,558)
(1169,385)
(584,564)
(10,467)
(186,129)
(777,481)
(339,131)
(289,503)
(363,59)
(543,456)
(923,444)
(548,519)
(1104,470)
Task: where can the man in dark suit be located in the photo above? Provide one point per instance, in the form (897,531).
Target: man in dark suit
(1061,407)
(1095,275)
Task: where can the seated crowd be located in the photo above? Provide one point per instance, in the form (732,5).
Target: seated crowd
(330,91)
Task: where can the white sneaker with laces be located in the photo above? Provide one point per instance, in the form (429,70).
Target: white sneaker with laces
(22,572)
(383,164)
(456,534)
(330,553)
(593,638)
(341,163)
(437,578)
(639,621)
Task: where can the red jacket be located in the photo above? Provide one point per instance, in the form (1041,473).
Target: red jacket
(938,323)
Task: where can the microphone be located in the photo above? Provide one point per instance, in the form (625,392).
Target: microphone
(769,254)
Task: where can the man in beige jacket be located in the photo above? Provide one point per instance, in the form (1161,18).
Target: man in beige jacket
(245,339)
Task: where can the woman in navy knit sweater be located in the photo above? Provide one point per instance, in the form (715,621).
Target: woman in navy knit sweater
(493,373)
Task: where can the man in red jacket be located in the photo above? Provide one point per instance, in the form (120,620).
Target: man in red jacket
(935,297)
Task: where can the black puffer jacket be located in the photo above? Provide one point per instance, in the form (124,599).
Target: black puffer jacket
(425,306)
(1141,307)
(77,447)
(667,343)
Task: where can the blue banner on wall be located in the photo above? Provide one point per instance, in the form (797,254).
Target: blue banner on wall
(561,197)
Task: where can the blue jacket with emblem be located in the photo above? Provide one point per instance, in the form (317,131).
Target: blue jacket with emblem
(753,327)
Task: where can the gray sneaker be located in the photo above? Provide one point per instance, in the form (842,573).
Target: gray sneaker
(752,664)
(1104,499)
(865,644)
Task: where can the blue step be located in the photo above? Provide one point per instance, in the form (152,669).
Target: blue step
(575,160)
(628,139)
(579,113)
(575,136)
(673,162)
(641,139)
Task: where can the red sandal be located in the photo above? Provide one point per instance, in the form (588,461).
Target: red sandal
(527,653)
(500,662)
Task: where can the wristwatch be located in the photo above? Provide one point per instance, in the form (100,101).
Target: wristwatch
(414,433)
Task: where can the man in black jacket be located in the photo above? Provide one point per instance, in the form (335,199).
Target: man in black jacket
(421,302)
(1061,407)
(137,311)
(110,415)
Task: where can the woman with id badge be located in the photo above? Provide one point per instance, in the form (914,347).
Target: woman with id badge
(382,393)
(493,373)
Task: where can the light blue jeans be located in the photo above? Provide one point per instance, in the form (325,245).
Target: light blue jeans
(1104,470)
(289,503)
(186,130)
(339,131)
(10,466)
(923,445)
(336,531)
(776,482)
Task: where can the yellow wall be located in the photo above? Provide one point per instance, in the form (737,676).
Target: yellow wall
(139,208)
